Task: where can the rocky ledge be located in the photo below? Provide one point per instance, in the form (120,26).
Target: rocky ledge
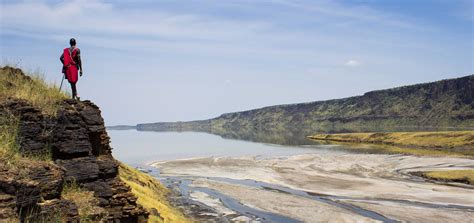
(78,143)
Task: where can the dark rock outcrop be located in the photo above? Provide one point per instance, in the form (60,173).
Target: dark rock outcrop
(20,195)
(7,206)
(55,210)
(80,170)
(79,146)
(50,179)
(32,126)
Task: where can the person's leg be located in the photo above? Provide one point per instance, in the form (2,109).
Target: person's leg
(74,91)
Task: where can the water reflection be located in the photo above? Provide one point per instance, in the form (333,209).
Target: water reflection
(138,147)
(290,136)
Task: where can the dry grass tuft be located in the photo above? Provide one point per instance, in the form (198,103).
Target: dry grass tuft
(151,194)
(11,220)
(33,88)
(463,176)
(9,146)
(87,204)
(10,156)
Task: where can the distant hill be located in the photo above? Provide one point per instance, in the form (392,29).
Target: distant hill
(121,127)
(442,104)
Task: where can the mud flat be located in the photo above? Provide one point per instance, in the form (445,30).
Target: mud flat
(326,187)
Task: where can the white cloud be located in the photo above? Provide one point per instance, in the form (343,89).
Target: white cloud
(352,63)
(98,19)
(94,16)
(361,13)
(96,23)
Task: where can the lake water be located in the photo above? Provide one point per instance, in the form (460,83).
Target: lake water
(140,147)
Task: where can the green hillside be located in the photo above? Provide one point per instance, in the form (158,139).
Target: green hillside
(444,105)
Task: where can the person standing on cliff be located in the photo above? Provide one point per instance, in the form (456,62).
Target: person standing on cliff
(71,59)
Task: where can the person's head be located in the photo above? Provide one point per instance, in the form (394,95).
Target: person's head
(72,42)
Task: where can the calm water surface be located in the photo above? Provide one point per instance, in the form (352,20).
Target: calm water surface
(139,147)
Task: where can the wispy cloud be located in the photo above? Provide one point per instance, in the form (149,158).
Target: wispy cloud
(352,63)
(100,22)
(312,29)
(357,13)
(95,16)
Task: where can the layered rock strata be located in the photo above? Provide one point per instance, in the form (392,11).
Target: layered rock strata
(78,143)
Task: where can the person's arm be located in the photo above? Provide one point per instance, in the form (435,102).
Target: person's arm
(61,58)
(79,62)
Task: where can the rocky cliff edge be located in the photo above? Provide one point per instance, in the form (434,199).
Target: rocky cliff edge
(76,146)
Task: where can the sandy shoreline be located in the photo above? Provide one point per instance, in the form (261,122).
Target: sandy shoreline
(378,183)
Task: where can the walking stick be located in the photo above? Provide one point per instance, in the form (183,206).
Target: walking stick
(60,86)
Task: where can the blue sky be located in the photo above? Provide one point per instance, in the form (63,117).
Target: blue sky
(171,60)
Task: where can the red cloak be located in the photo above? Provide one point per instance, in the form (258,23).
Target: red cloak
(70,65)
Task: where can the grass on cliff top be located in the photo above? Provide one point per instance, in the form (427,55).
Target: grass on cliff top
(417,143)
(463,176)
(151,195)
(32,87)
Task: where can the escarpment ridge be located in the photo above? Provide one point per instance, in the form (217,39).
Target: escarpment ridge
(440,105)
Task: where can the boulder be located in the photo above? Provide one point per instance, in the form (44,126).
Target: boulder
(80,131)
(28,194)
(50,179)
(101,189)
(80,170)
(91,114)
(70,142)
(108,167)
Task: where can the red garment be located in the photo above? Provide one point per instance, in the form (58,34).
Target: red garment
(70,65)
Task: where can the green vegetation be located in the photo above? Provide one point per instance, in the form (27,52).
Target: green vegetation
(14,84)
(10,157)
(462,176)
(452,139)
(33,88)
(9,146)
(11,160)
(457,143)
(441,105)
(151,195)
(387,149)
